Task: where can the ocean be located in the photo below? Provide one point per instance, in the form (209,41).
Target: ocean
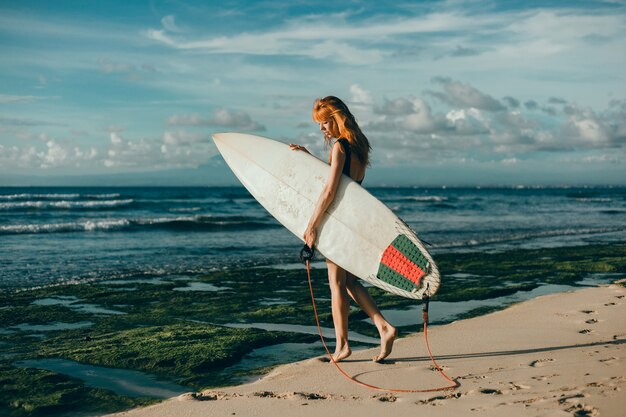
(54,235)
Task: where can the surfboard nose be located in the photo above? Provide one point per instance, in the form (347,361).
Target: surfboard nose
(218,137)
(228,139)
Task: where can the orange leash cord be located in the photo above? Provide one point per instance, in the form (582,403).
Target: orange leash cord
(363,384)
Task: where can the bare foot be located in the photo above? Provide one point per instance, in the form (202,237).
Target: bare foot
(342,353)
(387,337)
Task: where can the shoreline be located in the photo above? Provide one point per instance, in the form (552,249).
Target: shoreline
(555,355)
(176,328)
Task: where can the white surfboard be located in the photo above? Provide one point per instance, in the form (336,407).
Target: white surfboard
(359,233)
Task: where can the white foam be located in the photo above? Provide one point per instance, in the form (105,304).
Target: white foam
(65,204)
(88,226)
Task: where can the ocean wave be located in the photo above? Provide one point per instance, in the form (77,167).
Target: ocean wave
(181,223)
(112,195)
(86,226)
(65,204)
(590,196)
(418,199)
(206,223)
(526,236)
(57,196)
(26,196)
(594,200)
(185,209)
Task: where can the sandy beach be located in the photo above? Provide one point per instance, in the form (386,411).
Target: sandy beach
(557,355)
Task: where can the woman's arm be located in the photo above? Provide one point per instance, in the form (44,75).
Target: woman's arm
(327,196)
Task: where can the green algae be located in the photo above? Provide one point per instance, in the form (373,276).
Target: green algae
(525,269)
(38,314)
(188,351)
(180,335)
(35,392)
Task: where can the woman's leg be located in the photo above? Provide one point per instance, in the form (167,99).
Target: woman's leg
(387,332)
(340,308)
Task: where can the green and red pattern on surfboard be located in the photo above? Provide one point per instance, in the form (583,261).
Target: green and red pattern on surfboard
(403,265)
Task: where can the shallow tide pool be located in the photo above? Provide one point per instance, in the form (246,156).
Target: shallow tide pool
(120,381)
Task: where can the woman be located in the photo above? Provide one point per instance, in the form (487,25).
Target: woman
(349,155)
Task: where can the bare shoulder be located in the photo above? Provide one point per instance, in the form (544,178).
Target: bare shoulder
(337,154)
(337,149)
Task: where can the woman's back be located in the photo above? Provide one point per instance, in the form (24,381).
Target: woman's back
(353,167)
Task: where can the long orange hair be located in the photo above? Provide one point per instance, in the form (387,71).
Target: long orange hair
(331,107)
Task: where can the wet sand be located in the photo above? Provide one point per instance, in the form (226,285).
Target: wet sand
(556,355)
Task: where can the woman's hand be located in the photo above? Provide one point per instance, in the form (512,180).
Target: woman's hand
(310,236)
(295,147)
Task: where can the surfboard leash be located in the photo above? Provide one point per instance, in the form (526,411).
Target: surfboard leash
(306,254)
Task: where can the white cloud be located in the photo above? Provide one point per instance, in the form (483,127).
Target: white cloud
(559,27)
(421,119)
(360,102)
(407,128)
(590,130)
(525,56)
(187,120)
(169,23)
(228,118)
(115,139)
(359,95)
(51,154)
(56,155)
(480,35)
(454,115)
(343,53)
(464,95)
(183,138)
(604,158)
(593,129)
(174,149)
(327,36)
(415,115)
(132,153)
(222,118)
(397,107)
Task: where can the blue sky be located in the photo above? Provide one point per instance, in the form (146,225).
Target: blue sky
(449,92)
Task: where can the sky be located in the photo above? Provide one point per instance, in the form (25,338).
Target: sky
(448,92)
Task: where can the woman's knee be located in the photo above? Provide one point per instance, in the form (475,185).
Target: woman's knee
(336,282)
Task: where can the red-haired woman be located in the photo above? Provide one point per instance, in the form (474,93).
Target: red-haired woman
(349,155)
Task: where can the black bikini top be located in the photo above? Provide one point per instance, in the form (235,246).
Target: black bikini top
(346,166)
